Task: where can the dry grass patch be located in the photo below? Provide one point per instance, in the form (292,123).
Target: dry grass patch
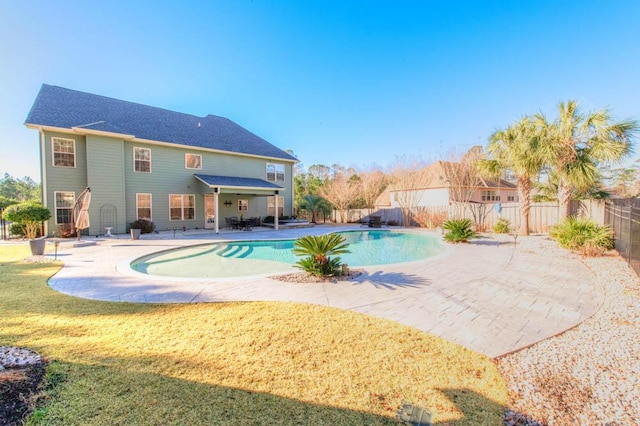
(234,363)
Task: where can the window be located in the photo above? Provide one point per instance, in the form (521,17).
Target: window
(182,207)
(193,161)
(243,205)
(271,206)
(64,152)
(490,196)
(275,172)
(143,206)
(64,207)
(142,160)
(511,197)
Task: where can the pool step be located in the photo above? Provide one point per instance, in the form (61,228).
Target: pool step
(234,251)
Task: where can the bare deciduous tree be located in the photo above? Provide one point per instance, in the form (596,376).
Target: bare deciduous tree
(462,177)
(372,183)
(408,179)
(341,190)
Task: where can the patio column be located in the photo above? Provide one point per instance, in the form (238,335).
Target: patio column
(215,209)
(275,213)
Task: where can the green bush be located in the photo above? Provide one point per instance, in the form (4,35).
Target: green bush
(503,226)
(28,214)
(583,235)
(459,230)
(317,249)
(145,226)
(16,229)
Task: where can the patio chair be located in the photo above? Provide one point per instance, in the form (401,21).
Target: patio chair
(232,222)
(376,222)
(364,222)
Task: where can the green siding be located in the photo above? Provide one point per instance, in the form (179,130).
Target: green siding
(63,179)
(170,176)
(105,177)
(106,165)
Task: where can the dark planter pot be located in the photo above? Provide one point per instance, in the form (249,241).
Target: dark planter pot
(37,246)
(135,234)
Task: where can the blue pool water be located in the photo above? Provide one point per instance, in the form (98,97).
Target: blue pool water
(242,258)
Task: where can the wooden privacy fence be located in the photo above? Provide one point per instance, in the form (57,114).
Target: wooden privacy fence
(624,217)
(541,215)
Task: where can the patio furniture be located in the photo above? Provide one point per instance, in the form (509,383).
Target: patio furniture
(376,222)
(232,222)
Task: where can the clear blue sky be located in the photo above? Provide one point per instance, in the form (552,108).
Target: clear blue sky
(348,82)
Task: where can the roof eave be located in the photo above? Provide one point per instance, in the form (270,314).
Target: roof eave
(251,188)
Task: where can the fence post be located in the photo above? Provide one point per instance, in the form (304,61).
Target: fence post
(629,251)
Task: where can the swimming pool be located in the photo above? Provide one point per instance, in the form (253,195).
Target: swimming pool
(243,258)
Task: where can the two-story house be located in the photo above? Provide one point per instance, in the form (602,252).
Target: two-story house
(142,162)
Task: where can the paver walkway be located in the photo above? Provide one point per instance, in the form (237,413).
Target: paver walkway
(488,295)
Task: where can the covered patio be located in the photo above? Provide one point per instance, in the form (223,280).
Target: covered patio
(219,185)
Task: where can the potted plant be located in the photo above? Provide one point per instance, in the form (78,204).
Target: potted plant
(141,226)
(29,215)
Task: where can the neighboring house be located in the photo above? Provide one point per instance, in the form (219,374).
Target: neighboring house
(437,190)
(141,162)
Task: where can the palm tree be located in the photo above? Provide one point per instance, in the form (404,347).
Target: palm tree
(318,249)
(575,145)
(314,204)
(516,148)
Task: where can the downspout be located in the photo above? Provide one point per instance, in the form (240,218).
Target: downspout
(215,209)
(275,213)
(43,178)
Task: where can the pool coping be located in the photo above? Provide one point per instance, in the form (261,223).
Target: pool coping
(490,295)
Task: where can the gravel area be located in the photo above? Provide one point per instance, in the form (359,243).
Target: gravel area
(589,375)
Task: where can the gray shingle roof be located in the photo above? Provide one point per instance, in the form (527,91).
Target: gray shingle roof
(65,108)
(237,182)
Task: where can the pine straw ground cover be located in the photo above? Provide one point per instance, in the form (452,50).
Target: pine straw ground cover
(233,363)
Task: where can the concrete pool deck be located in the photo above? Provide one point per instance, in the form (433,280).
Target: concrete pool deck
(489,295)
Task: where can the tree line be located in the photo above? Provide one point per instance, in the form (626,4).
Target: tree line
(570,156)
(16,190)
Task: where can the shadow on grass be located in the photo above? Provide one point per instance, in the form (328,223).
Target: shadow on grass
(99,395)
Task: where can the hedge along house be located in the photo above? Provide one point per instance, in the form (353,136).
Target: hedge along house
(141,162)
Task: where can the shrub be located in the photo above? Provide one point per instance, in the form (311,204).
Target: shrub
(317,249)
(145,226)
(459,230)
(430,219)
(583,235)
(16,229)
(503,226)
(28,214)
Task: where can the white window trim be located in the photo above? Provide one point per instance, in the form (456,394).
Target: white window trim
(246,202)
(134,159)
(182,196)
(55,204)
(186,164)
(271,204)
(150,205)
(53,153)
(275,172)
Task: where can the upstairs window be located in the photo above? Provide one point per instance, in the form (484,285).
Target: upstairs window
(275,172)
(193,161)
(64,152)
(142,160)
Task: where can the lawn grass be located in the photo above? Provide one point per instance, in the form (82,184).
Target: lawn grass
(233,363)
